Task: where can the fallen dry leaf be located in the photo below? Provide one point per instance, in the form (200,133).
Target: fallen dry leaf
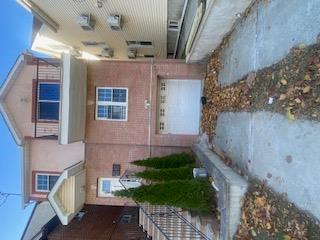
(283,81)
(260,201)
(306,89)
(286,237)
(289,114)
(268,225)
(307,77)
(282,97)
(297,100)
(253,233)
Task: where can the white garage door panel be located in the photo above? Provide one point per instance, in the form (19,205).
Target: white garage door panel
(182,108)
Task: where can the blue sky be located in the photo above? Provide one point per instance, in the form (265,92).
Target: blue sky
(16,25)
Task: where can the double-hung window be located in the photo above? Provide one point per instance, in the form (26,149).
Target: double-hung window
(45,182)
(111,103)
(48,101)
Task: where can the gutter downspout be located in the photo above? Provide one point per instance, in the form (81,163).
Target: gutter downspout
(181,22)
(150,106)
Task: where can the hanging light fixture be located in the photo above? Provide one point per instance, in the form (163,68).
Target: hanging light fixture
(99,4)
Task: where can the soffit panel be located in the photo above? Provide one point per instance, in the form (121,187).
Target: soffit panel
(143,20)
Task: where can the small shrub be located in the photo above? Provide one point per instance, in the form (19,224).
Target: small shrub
(195,195)
(167,174)
(171,161)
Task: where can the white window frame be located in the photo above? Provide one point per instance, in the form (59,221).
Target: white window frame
(36,180)
(115,185)
(49,101)
(111,103)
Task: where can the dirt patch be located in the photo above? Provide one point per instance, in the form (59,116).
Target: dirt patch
(268,215)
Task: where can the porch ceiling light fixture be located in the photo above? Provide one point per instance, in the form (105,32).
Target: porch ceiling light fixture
(99,3)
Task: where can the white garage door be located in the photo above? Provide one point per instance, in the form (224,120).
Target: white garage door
(179,106)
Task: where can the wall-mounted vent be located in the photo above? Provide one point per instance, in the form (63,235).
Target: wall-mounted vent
(173,25)
(132,53)
(86,22)
(139,44)
(148,56)
(95,44)
(116,170)
(115,22)
(107,53)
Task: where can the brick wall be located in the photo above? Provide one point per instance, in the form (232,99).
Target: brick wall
(114,142)
(138,77)
(131,75)
(99,161)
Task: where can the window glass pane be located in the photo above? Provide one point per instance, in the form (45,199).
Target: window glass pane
(119,95)
(118,112)
(104,111)
(42,182)
(48,91)
(48,110)
(52,181)
(106,186)
(104,94)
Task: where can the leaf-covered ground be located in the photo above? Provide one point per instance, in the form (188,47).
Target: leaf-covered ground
(292,88)
(293,85)
(231,98)
(267,215)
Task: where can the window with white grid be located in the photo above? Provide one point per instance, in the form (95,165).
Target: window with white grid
(112,104)
(45,181)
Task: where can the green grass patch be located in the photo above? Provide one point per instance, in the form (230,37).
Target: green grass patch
(171,161)
(168,174)
(195,195)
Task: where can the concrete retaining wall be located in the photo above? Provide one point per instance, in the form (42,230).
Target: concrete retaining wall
(232,188)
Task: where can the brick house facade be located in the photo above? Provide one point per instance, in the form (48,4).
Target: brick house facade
(114,142)
(116,132)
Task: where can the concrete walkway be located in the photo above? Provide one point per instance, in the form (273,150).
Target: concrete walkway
(286,155)
(266,36)
(266,145)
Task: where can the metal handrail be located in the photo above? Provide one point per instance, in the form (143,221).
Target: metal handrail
(142,209)
(172,211)
(186,221)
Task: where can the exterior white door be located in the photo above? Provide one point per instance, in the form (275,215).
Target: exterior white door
(179,106)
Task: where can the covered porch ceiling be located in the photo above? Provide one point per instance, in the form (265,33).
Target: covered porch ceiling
(67,197)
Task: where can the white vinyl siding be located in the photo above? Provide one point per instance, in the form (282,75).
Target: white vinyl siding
(112,104)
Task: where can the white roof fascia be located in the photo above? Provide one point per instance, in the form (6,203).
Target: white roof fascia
(14,72)
(39,13)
